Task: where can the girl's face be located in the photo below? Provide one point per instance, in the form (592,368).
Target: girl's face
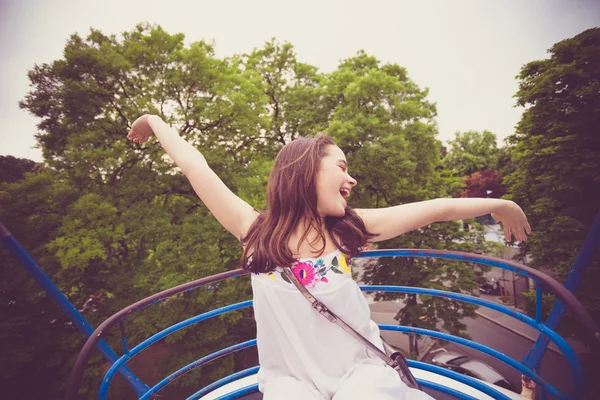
(333,183)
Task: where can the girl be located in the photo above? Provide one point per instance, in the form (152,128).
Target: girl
(309,226)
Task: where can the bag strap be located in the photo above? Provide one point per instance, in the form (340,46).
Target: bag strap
(406,375)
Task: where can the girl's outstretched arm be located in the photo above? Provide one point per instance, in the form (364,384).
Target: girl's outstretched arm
(394,221)
(232,212)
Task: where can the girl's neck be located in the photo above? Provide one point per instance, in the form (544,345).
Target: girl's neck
(312,245)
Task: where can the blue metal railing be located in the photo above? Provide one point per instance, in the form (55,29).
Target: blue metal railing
(565,296)
(568,352)
(570,355)
(589,248)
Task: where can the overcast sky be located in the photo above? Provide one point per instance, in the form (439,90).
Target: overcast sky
(467,52)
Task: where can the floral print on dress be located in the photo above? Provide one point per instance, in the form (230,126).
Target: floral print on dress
(306,274)
(309,273)
(344,264)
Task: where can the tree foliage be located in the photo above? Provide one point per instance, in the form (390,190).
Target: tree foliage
(556,158)
(486,183)
(471,151)
(13,169)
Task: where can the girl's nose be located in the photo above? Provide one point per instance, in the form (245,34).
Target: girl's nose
(351,180)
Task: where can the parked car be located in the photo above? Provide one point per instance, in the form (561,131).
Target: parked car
(491,287)
(475,368)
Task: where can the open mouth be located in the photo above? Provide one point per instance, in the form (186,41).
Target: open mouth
(345,192)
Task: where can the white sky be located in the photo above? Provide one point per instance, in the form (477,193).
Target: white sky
(467,52)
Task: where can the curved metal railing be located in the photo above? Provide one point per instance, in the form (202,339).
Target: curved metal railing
(542,281)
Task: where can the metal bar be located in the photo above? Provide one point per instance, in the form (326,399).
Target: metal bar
(61,300)
(88,347)
(487,350)
(466,298)
(514,289)
(445,389)
(123,336)
(482,387)
(586,254)
(467,380)
(569,354)
(251,371)
(103,393)
(222,382)
(538,303)
(590,329)
(574,305)
(236,394)
(198,363)
(544,393)
(528,372)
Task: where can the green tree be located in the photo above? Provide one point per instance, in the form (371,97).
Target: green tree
(471,151)
(505,165)
(555,153)
(132,225)
(289,87)
(13,169)
(37,341)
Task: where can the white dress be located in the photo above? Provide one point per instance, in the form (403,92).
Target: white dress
(302,354)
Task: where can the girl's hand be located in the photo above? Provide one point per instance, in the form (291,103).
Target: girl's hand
(140,130)
(514,222)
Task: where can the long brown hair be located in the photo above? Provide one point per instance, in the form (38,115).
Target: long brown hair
(292,198)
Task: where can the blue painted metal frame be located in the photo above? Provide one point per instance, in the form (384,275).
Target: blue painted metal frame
(415,364)
(61,300)
(196,364)
(95,338)
(251,371)
(590,327)
(223,381)
(482,387)
(528,368)
(467,380)
(569,353)
(240,346)
(103,394)
(444,389)
(586,254)
(570,356)
(485,349)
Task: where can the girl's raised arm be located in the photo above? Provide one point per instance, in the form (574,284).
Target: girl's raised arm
(232,212)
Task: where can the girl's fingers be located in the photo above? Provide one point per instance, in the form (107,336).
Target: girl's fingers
(514,231)
(520,233)
(507,234)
